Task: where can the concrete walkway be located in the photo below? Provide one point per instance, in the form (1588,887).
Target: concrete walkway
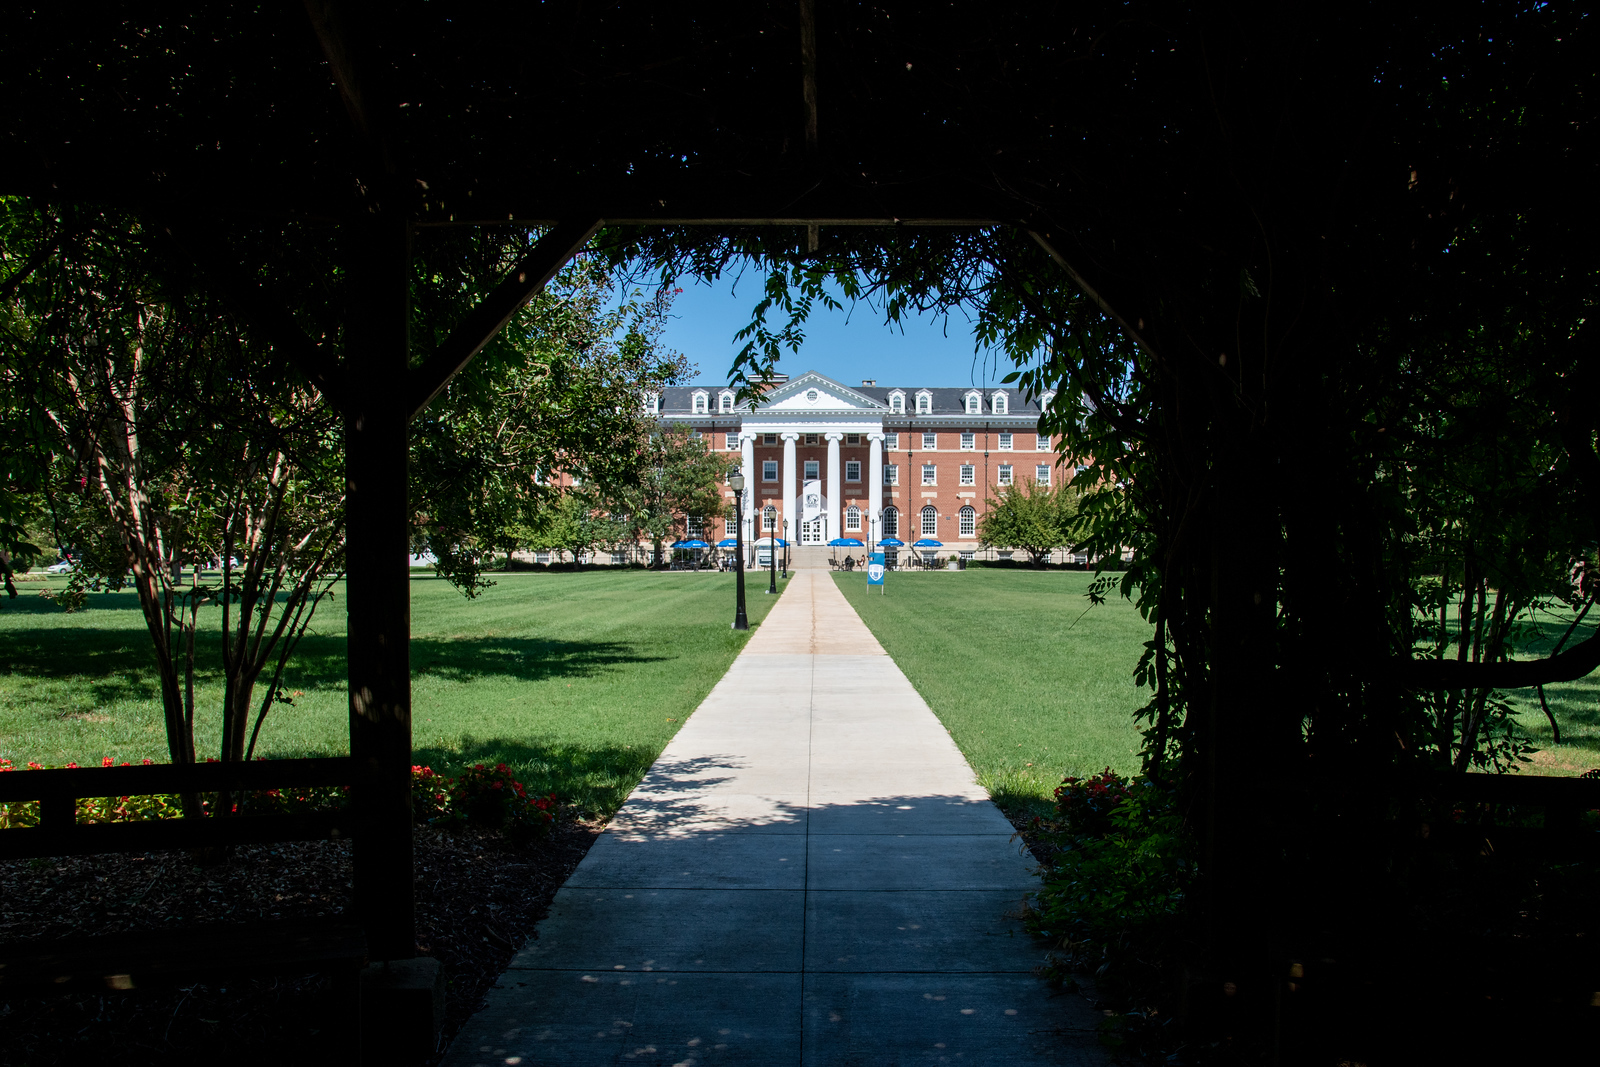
(808,875)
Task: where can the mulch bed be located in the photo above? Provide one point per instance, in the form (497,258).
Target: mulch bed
(479,896)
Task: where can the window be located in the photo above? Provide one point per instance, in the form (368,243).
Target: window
(930,442)
(730,441)
(852,518)
(1000,404)
(811,438)
(769,470)
(652,403)
(1005,474)
(897,403)
(969,522)
(924,403)
(852,439)
(769,518)
(1044,443)
(700,400)
(1005,442)
(891,474)
(930,474)
(811,469)
(891,442)
(974,404)
(969,442)
(769,438)
(969,474)
(811,396)
(729,528)
(891,522)
(852,470)
(1041,474)
(695,525)
(725,403)
(930,521)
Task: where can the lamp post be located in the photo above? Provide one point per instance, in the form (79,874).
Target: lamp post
(786,548)
(772,557)
(736,483)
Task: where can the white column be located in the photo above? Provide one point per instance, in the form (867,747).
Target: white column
(835,486)
(752,479)
(875,476)
(787,510)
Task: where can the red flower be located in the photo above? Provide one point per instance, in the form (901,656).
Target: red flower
(107,762)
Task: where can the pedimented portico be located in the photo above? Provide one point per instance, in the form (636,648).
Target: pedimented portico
(813,409)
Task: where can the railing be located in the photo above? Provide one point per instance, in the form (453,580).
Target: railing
(60,834)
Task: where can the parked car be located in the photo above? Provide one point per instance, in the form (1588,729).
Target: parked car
(64,567)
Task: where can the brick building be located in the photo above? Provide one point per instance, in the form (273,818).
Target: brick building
(826,460)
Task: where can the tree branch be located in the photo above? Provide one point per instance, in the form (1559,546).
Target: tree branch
(552,252)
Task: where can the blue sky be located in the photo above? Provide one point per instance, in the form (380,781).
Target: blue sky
(846,345)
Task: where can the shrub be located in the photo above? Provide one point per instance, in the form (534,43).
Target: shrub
(1113,890)
(490,797)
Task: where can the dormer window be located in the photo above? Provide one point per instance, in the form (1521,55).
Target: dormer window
(924,403)
(701,403)
(974,404)
(724,403)
(897,403)
(1046,400)
(1000,405)
(652,403)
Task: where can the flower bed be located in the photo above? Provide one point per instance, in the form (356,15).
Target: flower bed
(481,796)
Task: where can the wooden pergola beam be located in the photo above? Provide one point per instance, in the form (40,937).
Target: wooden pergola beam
(554,250)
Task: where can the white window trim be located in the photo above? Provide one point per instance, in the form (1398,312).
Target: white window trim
(891,474)
(771,464)
(927,469)
(1000,402)
(890,512)
(700,404)
(730,442)
(852,518)
(891,441)
(973,402)
(1043,444)
(897,403)
(849,463)
(924,395)
(967,521)
(926,447)
(811,469)
(730,527)
(1041,474)
(724,402)
(969,441)
(1005,474)
(969,474)
(922,521)
(1005,442)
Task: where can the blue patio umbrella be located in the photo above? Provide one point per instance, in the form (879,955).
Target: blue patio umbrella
(692,543)
(848,542)
(928,542)
(892,542)
(728,542)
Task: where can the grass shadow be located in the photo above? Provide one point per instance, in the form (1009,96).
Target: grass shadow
(595,779)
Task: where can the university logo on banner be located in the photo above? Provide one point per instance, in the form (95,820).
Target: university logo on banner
(811,501)
(875,569)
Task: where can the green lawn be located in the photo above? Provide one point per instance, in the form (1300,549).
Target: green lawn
(1031,681)
(575,680)
(1576,705)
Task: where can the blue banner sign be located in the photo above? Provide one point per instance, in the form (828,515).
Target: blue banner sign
(875,568)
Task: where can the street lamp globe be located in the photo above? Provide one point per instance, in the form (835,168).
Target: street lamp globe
(736,481)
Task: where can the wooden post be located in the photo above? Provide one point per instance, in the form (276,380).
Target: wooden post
(378,592)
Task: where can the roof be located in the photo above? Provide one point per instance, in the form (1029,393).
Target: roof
(947,401)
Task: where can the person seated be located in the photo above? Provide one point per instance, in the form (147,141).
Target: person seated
(849,563)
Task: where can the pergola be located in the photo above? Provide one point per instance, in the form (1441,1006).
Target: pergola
(798,122)
(382,121)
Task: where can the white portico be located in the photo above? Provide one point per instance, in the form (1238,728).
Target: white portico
(808,495)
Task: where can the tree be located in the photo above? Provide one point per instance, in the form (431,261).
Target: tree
(1034,517)
(679,478)
(165,439)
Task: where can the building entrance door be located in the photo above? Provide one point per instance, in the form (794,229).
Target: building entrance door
(813,532)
